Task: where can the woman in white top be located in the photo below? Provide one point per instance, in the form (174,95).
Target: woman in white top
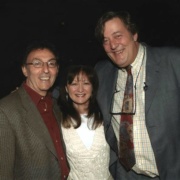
(82,128)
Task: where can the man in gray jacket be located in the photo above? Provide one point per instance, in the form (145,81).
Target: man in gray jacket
(156,110)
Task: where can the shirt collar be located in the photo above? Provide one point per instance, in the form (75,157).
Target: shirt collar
(139,58)
(36,98)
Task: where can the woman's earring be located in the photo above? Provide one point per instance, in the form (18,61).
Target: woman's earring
(67,97)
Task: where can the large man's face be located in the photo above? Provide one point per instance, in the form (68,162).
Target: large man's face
(120,44)
(40,79)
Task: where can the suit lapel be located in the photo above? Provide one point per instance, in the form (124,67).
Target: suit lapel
(152,78)
(35,121)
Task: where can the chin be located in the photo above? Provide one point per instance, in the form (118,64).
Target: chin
(45,88)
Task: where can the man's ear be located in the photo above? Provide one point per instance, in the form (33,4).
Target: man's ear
(24,70)
(135,37)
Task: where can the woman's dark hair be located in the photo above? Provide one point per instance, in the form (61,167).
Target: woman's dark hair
(42,44)
(124,16)
(66,104)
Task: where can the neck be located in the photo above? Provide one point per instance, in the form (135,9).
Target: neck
(82,109)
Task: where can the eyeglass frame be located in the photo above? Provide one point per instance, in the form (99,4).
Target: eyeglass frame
(123,113)
(42,63)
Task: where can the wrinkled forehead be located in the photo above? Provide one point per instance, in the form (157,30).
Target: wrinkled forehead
(43,55)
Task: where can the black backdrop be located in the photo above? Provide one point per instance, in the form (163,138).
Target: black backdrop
(69,24)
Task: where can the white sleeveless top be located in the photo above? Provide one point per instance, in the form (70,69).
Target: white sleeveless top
(87,152)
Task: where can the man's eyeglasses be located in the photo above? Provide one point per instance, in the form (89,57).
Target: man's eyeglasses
(39,64)
(120,112)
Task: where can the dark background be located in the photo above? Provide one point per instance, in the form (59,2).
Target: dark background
(70,24)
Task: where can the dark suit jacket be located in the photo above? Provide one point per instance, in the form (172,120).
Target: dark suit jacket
(26,149)
(162,110)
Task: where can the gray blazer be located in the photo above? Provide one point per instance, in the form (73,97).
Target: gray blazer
(26,149)
(162,111)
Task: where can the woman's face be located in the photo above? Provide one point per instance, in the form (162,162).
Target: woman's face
(80,91)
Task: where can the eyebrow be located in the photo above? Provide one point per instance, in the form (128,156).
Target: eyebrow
(117,32)
(114,33)
(42,61)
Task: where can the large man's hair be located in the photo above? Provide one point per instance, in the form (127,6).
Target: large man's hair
(124,16)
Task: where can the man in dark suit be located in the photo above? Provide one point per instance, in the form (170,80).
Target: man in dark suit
(156,111)
(30,139)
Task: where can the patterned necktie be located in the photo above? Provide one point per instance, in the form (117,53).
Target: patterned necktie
(126,154)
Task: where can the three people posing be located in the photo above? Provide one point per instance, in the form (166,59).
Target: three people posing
(30,135)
